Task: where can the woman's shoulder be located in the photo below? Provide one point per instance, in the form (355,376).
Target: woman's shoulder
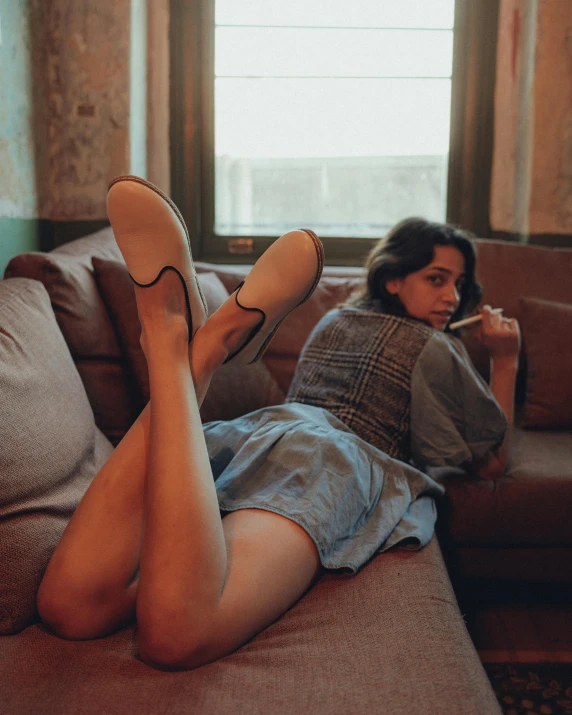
(445,361)
(445,350)
(372,314)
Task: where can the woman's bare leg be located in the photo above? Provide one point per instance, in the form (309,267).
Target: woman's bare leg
(90,586)
(203,591)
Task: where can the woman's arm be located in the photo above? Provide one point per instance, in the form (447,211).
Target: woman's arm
(502,337)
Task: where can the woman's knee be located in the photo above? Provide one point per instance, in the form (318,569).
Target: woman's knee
(174,639)
(167,650)
(60,616)
(73,614)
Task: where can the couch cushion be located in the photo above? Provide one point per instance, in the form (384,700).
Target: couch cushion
(547,339)
(234,390)
(509,270)
(528,506)
(390,639)
(67,274)
(51,448)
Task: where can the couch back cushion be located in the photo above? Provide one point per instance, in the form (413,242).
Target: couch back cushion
(509,271)
(547,337)
(67,274)
(50,446)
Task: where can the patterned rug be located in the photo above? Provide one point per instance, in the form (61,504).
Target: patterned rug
(532,688)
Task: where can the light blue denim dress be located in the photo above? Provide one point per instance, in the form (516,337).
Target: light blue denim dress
(355,500)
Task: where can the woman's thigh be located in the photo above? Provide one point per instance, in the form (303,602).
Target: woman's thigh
(272,562)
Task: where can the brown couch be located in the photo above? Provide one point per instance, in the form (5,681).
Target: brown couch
(391,639)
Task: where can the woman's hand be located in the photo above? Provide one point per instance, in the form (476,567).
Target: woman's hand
(500,335)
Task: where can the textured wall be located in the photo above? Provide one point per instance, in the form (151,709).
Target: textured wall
(18,196)
(531,189)
(86,71)
(551,194)
(68,120)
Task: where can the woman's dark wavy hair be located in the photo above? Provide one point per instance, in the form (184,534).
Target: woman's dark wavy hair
(408,247)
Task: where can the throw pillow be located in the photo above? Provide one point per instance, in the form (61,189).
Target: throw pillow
(67,275)
(234,390)
(547,339)
(51,448)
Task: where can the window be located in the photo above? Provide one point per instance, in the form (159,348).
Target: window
(318,113)
(330,118)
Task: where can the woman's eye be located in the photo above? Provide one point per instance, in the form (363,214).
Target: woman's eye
(436,280)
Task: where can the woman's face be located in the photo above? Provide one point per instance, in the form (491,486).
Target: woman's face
(433,293)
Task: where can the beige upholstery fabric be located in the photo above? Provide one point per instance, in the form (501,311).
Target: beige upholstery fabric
(50,447)
(67,274)
(389,640)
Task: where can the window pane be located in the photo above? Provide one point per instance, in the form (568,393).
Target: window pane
(307,52)
(290,153)
(345,131)
(336,13)
(334,117)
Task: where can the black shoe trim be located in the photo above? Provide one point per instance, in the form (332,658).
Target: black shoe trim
(187,300)
(254,332)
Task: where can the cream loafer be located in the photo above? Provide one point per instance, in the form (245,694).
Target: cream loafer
(152,237)
(283,278)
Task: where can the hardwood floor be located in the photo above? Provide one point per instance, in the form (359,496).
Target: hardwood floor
(523,634)
(519,623)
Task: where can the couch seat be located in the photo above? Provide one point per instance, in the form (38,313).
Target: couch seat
(390,639)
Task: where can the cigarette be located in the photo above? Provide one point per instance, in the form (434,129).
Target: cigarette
(472,319)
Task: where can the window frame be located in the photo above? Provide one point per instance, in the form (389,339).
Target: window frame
(192,132)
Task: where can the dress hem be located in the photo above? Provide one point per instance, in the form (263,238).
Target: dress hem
(299,522)
(328,566)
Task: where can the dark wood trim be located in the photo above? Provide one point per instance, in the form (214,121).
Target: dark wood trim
(52,234)
(472,115)
(207,73)
(185,29)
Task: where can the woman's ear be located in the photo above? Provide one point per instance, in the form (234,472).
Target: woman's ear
(393,286)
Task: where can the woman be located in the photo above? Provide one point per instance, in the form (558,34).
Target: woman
(298,489)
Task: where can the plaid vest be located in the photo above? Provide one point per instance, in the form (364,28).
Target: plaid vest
(357,364)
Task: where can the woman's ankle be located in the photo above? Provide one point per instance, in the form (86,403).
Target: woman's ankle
(229,327)
(206,354)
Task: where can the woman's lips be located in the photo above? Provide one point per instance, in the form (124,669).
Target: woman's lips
(442,317)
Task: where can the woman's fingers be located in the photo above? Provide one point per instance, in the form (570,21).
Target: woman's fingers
(491,320)
(499,334)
